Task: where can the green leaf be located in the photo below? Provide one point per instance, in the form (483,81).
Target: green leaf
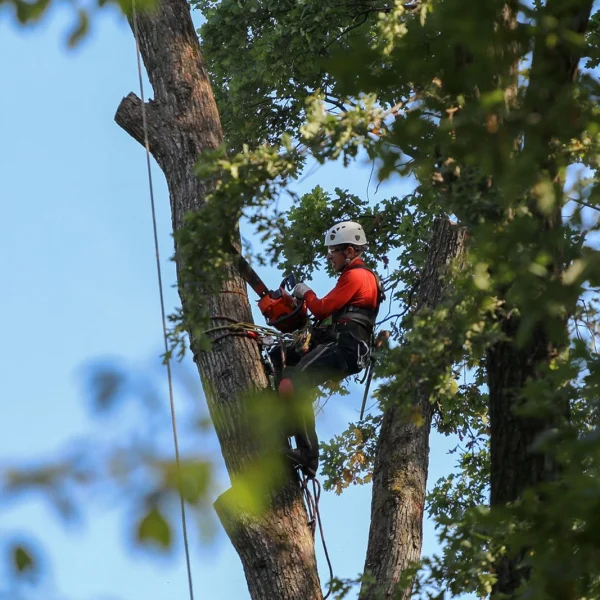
(192,479)
(23,560)
(154,529)
(30,11)
(79,30)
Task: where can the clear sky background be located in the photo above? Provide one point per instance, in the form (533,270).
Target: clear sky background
(79,288)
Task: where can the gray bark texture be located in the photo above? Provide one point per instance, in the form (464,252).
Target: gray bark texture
(402,456)
(276,548)
(514,465)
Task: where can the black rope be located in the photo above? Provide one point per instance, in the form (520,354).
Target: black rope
(314,516)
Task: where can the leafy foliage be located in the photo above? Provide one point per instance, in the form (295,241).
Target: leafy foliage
(265,57)
(125,464)
(29,12)
(349,456)
(23,559)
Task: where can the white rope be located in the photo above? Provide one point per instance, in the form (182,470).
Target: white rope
(162,305)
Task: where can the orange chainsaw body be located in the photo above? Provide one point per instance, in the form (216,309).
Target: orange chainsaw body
(282,311)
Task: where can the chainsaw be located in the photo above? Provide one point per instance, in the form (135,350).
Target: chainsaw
(279,308)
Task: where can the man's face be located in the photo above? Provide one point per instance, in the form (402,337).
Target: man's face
(337,256)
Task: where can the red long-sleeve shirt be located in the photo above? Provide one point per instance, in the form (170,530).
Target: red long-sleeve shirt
(356,287)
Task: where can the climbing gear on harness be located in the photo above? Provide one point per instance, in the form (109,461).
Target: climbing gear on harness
(347,232)
(280,309)
(265,336)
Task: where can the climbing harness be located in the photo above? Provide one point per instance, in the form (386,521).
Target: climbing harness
(367,317)
(162,305)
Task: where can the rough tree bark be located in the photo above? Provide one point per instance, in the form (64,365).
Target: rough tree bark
(514,466)
(276,550)
(402,457)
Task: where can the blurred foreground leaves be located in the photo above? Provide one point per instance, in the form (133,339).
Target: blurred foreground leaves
(126,461)
(30,12)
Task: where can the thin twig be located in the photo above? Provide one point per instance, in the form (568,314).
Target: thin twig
(337,103)
(586,204)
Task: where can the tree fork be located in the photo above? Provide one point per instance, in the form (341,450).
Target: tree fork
(276,549)
(402,456)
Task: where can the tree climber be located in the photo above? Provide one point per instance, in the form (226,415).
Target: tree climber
(340,342)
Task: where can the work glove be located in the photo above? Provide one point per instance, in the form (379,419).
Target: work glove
(299,290)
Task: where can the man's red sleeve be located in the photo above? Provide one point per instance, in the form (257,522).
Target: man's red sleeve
(345,290)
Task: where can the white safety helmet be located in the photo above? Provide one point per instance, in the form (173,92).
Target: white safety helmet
(347,232)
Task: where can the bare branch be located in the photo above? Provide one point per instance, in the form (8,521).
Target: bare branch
(129,117)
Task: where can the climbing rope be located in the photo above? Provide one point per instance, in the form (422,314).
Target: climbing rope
(242,328)
(314,518)
(162,304)
(266,336)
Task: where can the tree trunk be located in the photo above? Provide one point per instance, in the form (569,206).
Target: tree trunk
(514,465)
(402,457)
(276,548)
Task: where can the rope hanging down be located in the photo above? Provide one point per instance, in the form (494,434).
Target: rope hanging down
(162,302)
(314,518)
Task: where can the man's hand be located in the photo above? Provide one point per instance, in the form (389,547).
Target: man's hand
(299,290)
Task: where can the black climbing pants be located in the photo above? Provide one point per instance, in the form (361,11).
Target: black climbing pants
(335,354)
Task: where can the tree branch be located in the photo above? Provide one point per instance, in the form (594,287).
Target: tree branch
(129,117)
(582,203)
(335,102)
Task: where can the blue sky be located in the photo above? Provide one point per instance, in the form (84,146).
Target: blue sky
(79,283)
